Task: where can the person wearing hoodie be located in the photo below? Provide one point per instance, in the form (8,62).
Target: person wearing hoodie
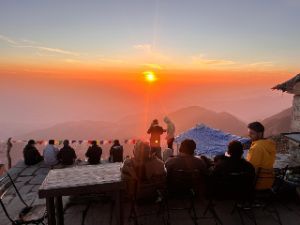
(170,132)
(155,131)
(31,154)
(261,155)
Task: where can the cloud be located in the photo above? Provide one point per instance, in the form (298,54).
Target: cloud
(153,66)
(48,49)
(200,60)
(19,44)
(261,64)
(143,47)
(8,40)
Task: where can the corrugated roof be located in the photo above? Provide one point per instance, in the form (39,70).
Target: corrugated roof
(288,85)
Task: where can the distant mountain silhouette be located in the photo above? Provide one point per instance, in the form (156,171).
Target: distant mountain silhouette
(278,123)
(135,126)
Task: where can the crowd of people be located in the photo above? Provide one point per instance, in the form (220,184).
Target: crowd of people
(66,156)
(148,162)
(147,166)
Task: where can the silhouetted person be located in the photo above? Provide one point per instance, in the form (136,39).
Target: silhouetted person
(31,154)
(9,147)
(116,152)
(185,162)
(50,154)
(155,131)
(232,174)
(66,154)
(170,132)
(261,155)
(94,153)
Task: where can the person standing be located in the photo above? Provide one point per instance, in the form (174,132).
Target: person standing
(170,132)
(9,147)
(94,153)
(155,131)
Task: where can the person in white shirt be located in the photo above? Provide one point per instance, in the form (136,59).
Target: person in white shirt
(50,154)
(170,132)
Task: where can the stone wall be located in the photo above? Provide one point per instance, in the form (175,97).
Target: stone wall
(295,123)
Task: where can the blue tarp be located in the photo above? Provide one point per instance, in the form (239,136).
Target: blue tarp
(210,142)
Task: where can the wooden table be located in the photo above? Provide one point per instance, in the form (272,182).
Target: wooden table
(80,180)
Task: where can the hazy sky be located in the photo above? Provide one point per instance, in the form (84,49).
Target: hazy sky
(72,60)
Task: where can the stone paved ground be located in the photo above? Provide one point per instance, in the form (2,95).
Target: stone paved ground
(80,211)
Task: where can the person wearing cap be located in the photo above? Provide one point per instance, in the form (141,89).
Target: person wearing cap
(31,154)
(261,155)
(94,153)
(170,132)
(155,131)
(66,154)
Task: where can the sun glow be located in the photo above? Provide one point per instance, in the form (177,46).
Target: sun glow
(150,76)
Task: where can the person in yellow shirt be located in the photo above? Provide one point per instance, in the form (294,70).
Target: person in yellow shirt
(261,155)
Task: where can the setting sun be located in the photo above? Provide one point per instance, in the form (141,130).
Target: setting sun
(150,76)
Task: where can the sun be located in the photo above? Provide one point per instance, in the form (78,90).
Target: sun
(150,76)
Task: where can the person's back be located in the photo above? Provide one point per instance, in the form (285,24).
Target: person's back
(50,154)
(67,154)
(155,131)
(94,154)
(142,169)
(187,166)
(233,175)
(31,154)
(261,155)
(116,153)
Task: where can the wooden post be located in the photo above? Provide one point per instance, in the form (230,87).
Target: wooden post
(9,147)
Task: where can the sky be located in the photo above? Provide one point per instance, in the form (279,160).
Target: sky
(75,60)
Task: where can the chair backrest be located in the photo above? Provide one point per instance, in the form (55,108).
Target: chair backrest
(182,181)
(6,183)
(236,186)
(150,188)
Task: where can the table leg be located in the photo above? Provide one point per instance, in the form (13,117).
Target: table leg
(119,208)
(50,210)
(59,210)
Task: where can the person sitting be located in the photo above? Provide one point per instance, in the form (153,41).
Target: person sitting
(66,154)
(186,162)
(141,169)
(31,154)
(233,175)
(50,154)
(116,152)
(94,153)
(261,155)
(155,131)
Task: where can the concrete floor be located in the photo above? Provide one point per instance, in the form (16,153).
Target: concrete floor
(81,211)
